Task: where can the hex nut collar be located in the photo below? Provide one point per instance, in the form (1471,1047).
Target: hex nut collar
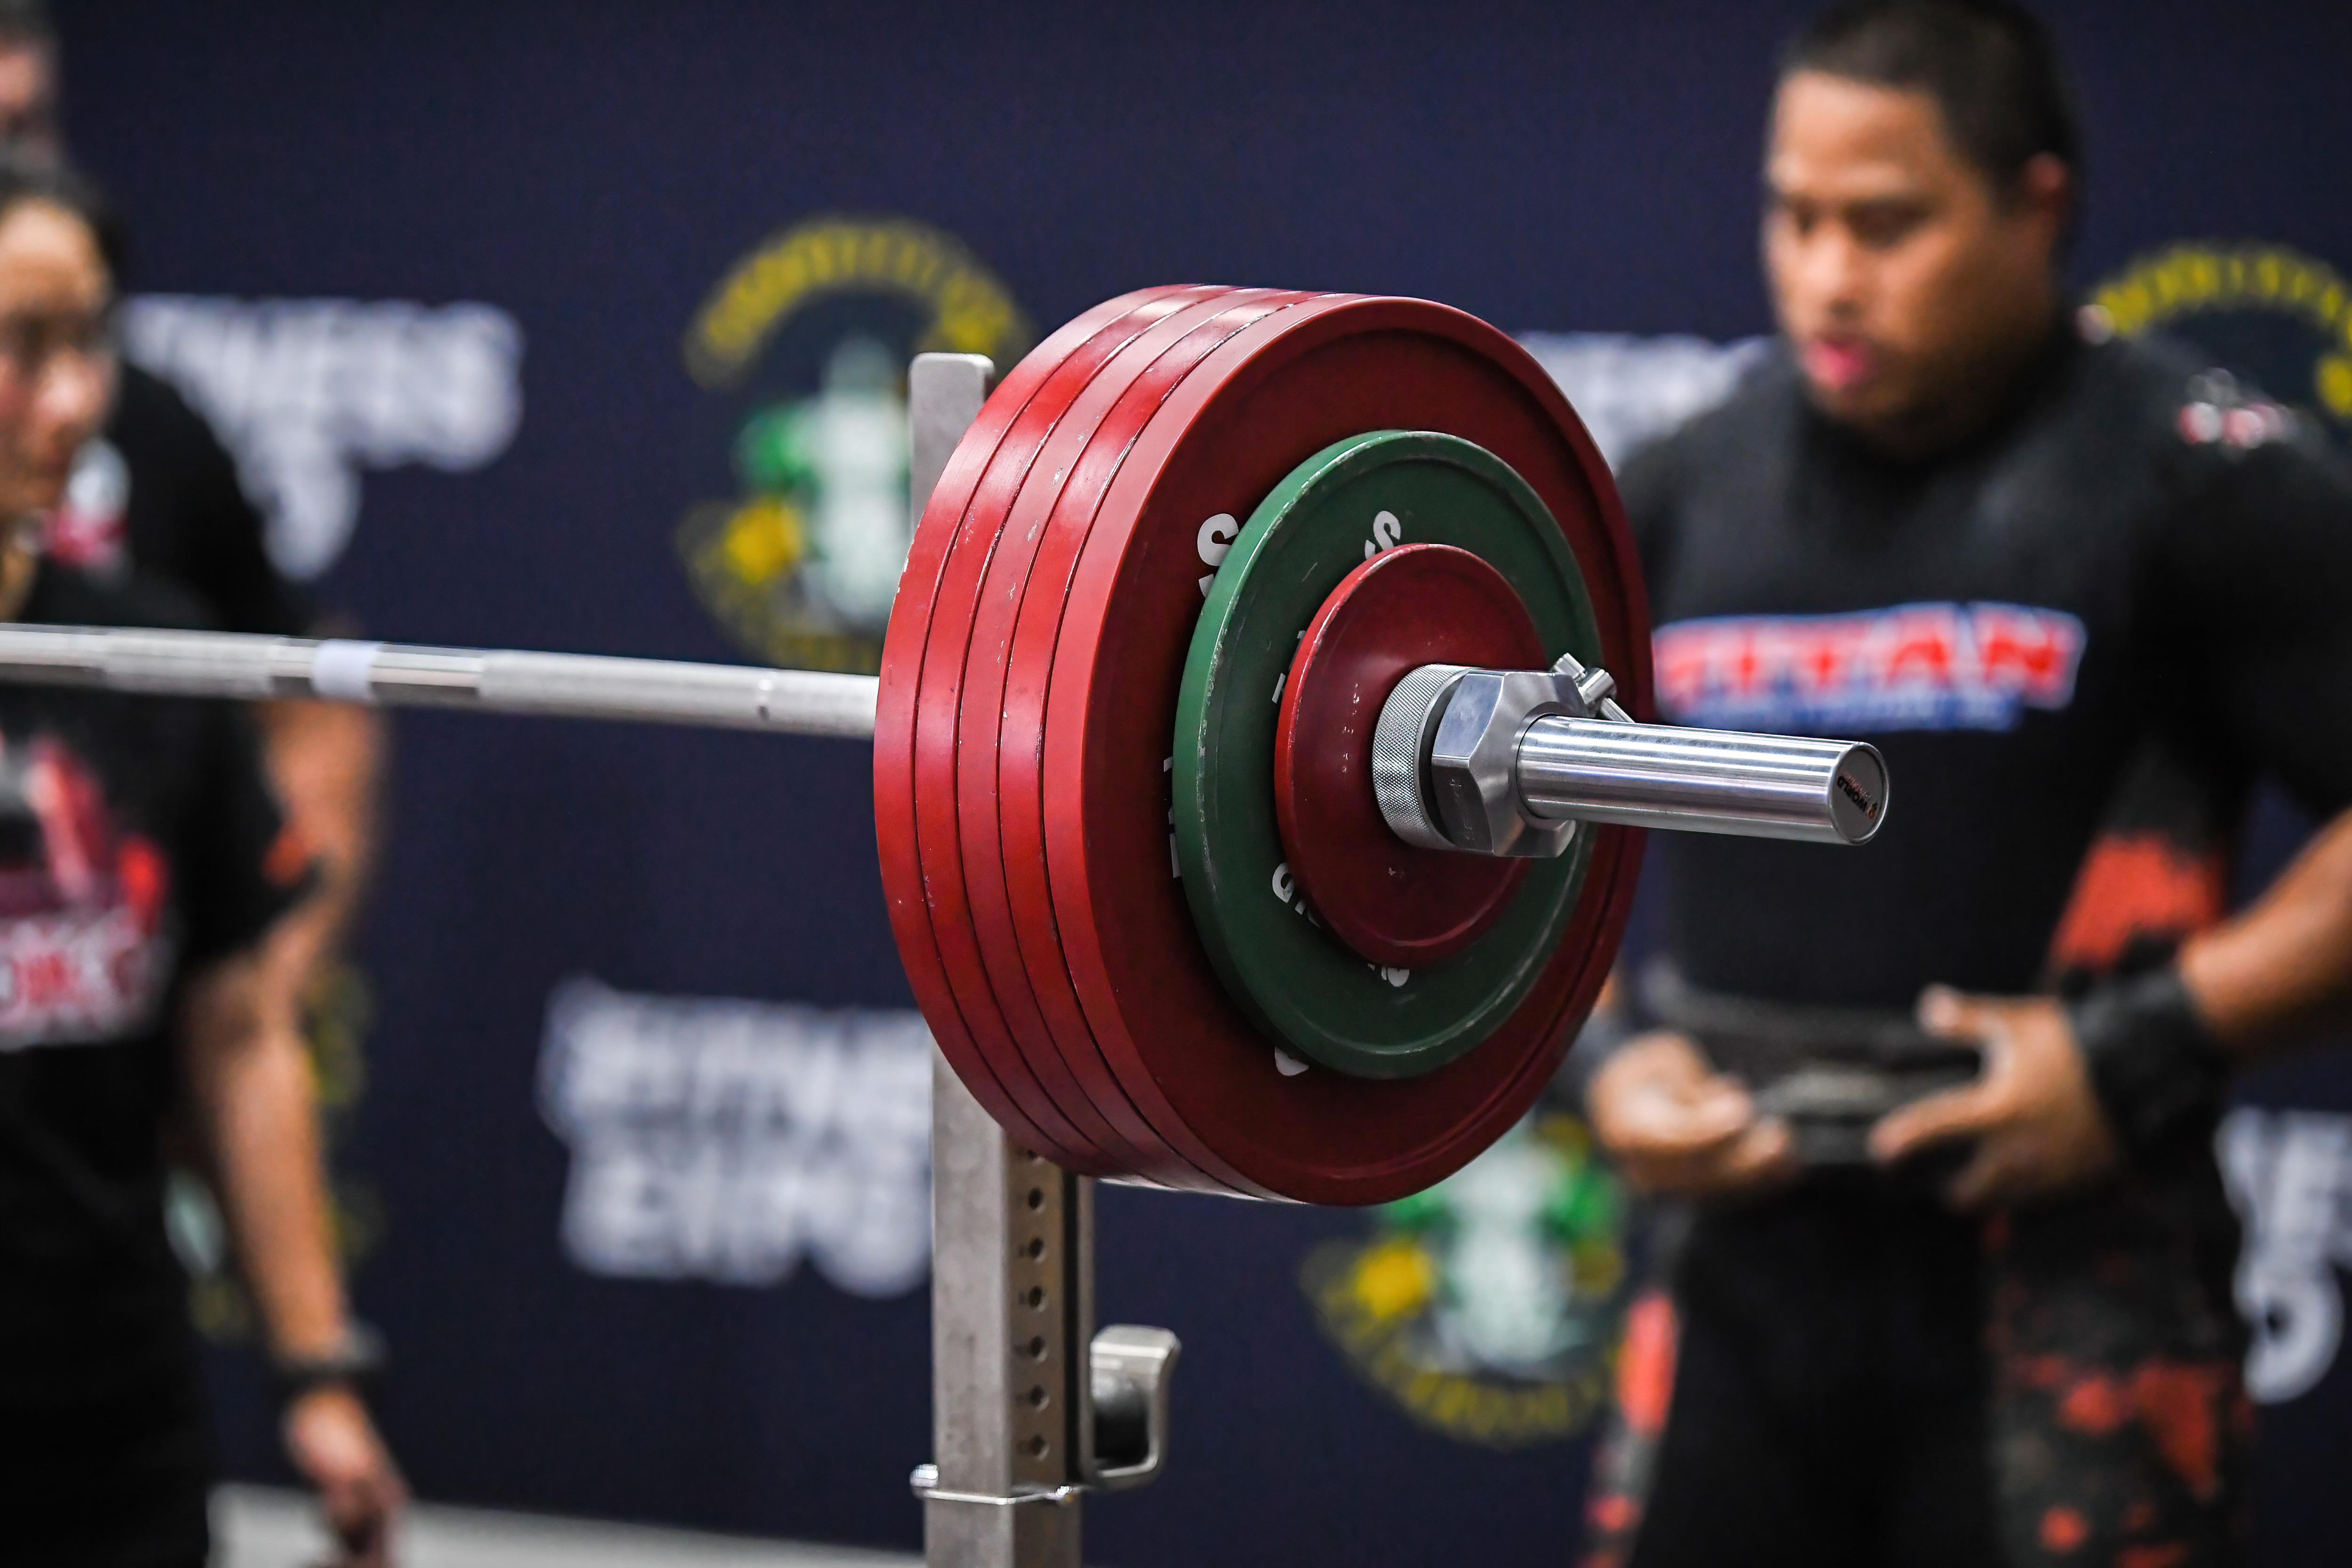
(1474,763)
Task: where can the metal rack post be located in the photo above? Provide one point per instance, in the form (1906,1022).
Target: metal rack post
(1029,1407)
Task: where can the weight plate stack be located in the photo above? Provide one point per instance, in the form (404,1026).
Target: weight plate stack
(903,648)
(1032,457)
(1009,668)
(1024,763)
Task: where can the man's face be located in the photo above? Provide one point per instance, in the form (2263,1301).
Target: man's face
(28,103)
(56,362)
(1900,275)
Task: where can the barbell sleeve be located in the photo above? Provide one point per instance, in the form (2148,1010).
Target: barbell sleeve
(560,685)
(1505,762)
(1702,780)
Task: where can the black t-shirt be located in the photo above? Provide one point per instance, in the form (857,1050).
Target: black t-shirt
(2138,548)
(159,493)
(140,841)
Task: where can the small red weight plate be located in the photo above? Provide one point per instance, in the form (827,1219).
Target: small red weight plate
(1024,1074)
(1409,605)
(894,731)
(998,748)
(955,735)
(1276,394)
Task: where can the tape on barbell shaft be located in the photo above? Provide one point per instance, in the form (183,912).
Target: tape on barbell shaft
(343,671)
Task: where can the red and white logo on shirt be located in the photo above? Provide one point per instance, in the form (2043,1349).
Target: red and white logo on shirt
(91,527)
(84,953)
(1910,667)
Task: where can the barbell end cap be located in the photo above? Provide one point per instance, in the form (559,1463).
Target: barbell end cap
(1859,792)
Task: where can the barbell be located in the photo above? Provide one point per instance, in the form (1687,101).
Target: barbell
(1256,771)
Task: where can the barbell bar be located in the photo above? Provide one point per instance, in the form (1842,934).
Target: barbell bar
(1707,781)
(1097,773)
(556,685)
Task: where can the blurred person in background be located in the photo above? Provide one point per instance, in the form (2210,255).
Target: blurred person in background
(145,873)
(156,492)
(163,495)
(2080,591)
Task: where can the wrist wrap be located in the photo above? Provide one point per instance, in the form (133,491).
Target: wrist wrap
(2157,1069)
(356,1363)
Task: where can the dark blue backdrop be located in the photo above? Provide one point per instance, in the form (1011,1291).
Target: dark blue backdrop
(593,169)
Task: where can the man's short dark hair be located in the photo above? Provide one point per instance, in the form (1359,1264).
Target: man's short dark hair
(1990,67)
(24,22)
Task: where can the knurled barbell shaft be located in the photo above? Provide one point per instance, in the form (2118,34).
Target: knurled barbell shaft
(560,685)
(1702,780)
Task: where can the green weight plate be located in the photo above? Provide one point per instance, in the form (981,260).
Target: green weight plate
(1292,977)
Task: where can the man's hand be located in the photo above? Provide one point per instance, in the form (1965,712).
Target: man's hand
(1675,1125)
(334,1445)
(2037,1126)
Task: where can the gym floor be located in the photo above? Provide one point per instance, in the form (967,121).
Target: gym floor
(261,1526)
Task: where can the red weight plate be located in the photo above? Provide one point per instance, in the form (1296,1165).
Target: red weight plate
(1413,605)
(982,960)
(1276,394)
(1086,1137)
(1027,576)
(893,732)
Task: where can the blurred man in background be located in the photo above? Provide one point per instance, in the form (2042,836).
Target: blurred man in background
(2079,591)
(143,870)
(158,490)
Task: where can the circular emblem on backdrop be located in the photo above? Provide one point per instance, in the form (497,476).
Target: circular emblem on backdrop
(802,347)
(2275,316)
(1488,1307)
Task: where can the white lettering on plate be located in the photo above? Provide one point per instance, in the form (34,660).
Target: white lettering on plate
(1214,540)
